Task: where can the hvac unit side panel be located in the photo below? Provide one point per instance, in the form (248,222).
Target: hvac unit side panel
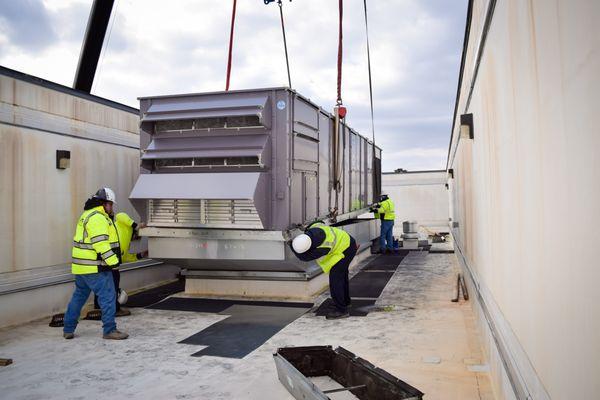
(281,135)
(346,169)
(305,149)
(310,192)
(306,118)
(365,173)
(297,206)
(325,128)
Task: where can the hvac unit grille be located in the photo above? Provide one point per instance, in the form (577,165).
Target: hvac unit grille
(204,213)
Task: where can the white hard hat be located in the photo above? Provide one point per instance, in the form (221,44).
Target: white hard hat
(106,194)
(384,193)
(122,299)
(301,243)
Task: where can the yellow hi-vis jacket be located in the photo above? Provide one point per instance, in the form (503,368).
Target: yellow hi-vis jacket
(386,208)
(95,244)
(124,225)
(336,241)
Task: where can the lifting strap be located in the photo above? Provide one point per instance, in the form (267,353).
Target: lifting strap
(369,66)
(230,45)
(339,60)
(287,61)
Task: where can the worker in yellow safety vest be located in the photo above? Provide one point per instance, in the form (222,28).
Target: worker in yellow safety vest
(95,252)
(384,210)
(127,230)
(333,249)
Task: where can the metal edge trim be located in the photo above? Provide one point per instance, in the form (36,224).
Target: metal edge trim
(11,73)
(66,277)
(516,378)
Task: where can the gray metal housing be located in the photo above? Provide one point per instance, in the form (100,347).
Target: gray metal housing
(225,176)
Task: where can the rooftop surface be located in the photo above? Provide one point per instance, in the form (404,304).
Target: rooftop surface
(416,333)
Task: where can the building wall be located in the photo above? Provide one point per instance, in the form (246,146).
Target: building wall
(418,196)
(40,203)
(526,196)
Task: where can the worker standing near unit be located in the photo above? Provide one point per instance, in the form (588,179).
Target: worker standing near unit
(95,252)
(384,210)
(334,249)
(127,230)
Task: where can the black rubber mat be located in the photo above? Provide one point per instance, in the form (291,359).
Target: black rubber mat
(441,251)
(386,262)
(369,284)
(248,328)
(249,325)
(359,307)
(218,305)
(151,296)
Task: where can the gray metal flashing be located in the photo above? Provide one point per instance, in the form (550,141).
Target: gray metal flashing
(65,134)
(483,39)
(460,76)
(426,171)
(54,275)
(65,89)
(415,184)
(523,378)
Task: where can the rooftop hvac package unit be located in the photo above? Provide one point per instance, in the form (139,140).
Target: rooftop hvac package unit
(226,176)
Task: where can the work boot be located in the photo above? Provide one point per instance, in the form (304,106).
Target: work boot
(337,314)
(69,335)
(116,335)
(122,312)
(94,315)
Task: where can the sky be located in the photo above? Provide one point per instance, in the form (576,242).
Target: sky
(155,47)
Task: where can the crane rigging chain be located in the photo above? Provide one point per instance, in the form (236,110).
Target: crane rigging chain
(287,60)
(339,60)
(369,66)
(230,46)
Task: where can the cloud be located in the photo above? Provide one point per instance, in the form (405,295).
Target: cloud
(26,24)
(155,49)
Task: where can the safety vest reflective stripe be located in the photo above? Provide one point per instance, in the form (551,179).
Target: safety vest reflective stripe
(89,240)
(328,244)
(85,221)
(387,208)
(81,261)
(84,246)
(337,241)
(96,239)
(107,254)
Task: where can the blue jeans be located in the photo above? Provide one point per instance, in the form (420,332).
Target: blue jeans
(102,285)
(387,229)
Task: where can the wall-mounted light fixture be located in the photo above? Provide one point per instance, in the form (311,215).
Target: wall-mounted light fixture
(63,159)
(466,126)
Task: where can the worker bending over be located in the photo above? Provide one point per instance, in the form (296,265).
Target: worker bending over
(334,249)
(384,210)
(127,230)
(95,252)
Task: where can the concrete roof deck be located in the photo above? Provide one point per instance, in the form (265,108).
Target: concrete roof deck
(423,339)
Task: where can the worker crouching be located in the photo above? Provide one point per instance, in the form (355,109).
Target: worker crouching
(95,252)
(333,249)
